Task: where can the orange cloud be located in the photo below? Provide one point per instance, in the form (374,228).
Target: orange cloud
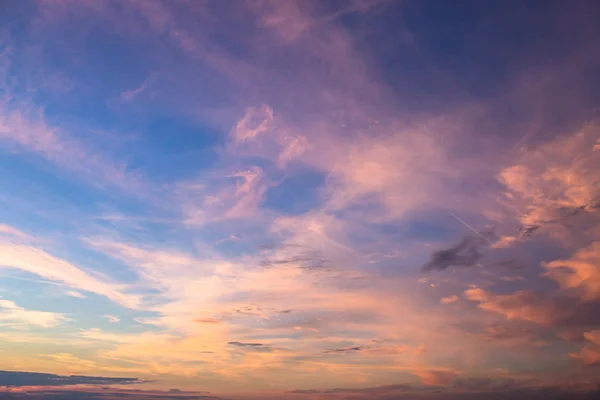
(449,300)
(589,354)
(436,377)
(522,305)
(580,272)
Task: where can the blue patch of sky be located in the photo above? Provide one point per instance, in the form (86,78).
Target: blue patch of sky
(34,293)
(296,194)
(174,149)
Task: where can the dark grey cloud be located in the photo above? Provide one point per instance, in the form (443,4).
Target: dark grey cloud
(19,378)
(511,263)
(512,330)
(352,349)
(107,394)
(528,230)
(252,311)
(305,257)
(465,389)
(242,344)
(465,253)
(310,260)
(494,384)
(578,313)
(372,390)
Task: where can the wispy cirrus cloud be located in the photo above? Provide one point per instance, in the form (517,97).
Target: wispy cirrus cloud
(36,261)
(13,316)
(24,128)
(12,231)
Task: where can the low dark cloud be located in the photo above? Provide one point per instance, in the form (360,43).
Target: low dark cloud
(253,347)
(491,384)
(242,344)
(345,350)
(18,379)
(107,394)
(466,253)
(465,389)
(371,390)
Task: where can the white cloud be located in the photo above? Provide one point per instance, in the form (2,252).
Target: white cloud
(14,316)
(73,293)
(38,262)
(113,319)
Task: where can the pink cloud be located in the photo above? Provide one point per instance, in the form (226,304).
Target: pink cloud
(522,305)
(436,377)
(580,272)
(27,130)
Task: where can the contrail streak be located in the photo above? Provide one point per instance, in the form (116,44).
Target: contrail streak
(470,227)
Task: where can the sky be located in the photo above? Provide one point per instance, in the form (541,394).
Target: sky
(299,200)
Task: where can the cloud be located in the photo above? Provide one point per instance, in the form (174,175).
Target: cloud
(523,305)
(436,377)
(580,272)
(472,388)
(12,231)
(256,121)
(38,262)
(449,300)
(346,350)
(242,344)
(113,319)
(75,363)
(27,129)
(14,316)
(374,171)
(492,384)
(17,379)
(129,95)
(207,321)
(106,394)
(377,390)
(236,194)
(77,295)
(302,256)
(546,188)
(464,254)
(590,354)
(156,267)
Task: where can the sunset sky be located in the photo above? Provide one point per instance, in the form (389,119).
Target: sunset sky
(299,200)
